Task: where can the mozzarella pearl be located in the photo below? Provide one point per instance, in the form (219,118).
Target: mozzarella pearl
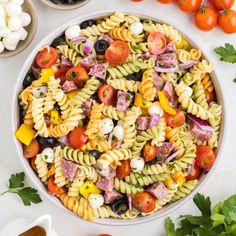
(25,19)
(39,92)
(73,31)
(4,31)
(156,109)
(48,155)
(11,41)
(23,33)
(1,47)
(13,9)
(137,164)
(103,171)
(14,23)
(19,2)
(106,126)
(119,132)
(189,91)
(136,28)
(96,200)
(2,22)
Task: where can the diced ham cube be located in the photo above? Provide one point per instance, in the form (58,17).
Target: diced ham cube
(69,86)
(99,71)
(88,62)
(65,62)
(111,196)
(170,47)
(170,94)
(158,82)
(124,99)
(142,123)
(158,190)
(106,184)
(167,60)
(199,133)
(69,169)
(164,150)
(87,107)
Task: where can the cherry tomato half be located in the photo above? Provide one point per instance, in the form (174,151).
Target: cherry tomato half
(107,94)
(47,57)
(194,173)
(53,188)
(117,52)
(210,96)
(32,149)
(175,120)
(144,202)
(78,75)
(205,18)
(156,43)
(205,157)
(189,6)
(227,21)
(222,4)
(123,169)
(149,152)
(61,74)
(77,138)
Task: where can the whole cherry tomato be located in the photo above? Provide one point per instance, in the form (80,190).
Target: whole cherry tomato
(222,4)
(189,6)
(77,138)
(144,202)
(227,21)
(206,18)
(32,149)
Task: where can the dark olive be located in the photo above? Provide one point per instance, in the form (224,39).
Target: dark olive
(47,142)
(101,46)
(58,41)
(29,78)
(95,153)
(120,206)
(87,23)
(66,1)
(57,107)
(36,72)
(137,76)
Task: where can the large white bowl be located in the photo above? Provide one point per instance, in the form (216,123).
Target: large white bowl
(15,122)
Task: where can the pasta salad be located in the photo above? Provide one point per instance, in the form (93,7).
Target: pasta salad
(119,117)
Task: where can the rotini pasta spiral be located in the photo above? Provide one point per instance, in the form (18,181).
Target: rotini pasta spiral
(124,84)
(183,55)
(113,113)
(126,188)
(41,167)
(195,54)
(160,133)
(99,145)
(58,131)
(202,67)
(128,20)
(190,79)
(207,83)
(155,169)
(122,34)
(28,118)
(199,95)
(88,172)
(147,87)
(74,188)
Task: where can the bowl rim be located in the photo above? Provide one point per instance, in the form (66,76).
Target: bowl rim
(15,119)
(30,36)
(65,7)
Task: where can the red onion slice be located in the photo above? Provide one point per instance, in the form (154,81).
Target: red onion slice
(203,124)
(172,156)
(79,39)
(166,70)
(88,46)
(130,202)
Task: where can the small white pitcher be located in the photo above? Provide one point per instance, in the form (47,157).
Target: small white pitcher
(21,225)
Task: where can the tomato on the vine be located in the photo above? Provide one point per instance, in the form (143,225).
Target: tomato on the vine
(189,6)
(227,21)
(222,4)
(205,18)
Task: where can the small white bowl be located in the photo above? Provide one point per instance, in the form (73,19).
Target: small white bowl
(21,225)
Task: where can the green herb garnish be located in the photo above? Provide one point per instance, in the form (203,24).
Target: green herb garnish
(227,53)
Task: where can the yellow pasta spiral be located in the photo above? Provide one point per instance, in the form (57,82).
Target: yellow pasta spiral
(121,34)
(147,87)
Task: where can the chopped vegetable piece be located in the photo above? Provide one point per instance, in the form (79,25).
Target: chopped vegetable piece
(87,188)
(25,134)
(165,103)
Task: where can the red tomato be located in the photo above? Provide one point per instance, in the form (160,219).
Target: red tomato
(205,18)
(107,94)
(104,235)
(175,120)
(210,96)
(227,21)
(165,1)
(144,202)
(156,43)
(205,157)
(189,6)
(117,52)
(77,138)
(149,152)
(32,149)
(53,188)
(123,170)
(47,57)
(78,75)
(32,163)
(194,173)
(222,4)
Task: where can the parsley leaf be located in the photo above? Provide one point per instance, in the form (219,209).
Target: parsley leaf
(28,195)
(203,204)
(170,227)
(234,80)
(226,53)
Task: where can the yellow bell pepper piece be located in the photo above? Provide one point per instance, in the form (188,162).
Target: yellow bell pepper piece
(169,182)
(25,134)
(55,117)
(87,188)
(51,172)
(71,94)
(46,74)
(139,101)
(165,103)
(179,178)
(144,112)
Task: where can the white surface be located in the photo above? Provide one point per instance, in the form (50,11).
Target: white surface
(220,185)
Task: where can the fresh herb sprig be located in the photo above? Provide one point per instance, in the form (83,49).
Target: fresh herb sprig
(16,185)
(219,221)
(227,53)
